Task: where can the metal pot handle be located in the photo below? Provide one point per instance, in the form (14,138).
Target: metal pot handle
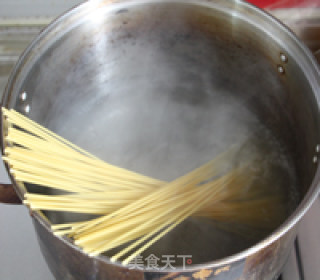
(7,191)
(8,194)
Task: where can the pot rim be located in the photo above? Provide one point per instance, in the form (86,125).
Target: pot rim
(291,221)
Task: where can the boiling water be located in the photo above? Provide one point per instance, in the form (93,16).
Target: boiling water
(185,140)
(166,96)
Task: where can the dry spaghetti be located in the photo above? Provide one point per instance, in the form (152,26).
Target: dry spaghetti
(133,209)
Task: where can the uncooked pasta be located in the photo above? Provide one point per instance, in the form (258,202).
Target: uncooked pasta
(131,211)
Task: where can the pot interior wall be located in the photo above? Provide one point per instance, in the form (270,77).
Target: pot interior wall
(163,88)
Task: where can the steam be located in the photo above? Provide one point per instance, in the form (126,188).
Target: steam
(162,102)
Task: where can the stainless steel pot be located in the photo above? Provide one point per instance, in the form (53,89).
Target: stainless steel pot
(139,66)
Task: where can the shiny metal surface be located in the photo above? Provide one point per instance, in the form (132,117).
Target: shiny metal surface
(83,78)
